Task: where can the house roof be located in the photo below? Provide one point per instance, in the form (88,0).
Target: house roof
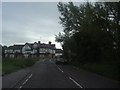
(16,47)
(58,50)
(4,47)
(40,45)
(30,45)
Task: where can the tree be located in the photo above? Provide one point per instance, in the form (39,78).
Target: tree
(89,31)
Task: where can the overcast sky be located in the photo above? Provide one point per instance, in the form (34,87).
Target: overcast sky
(30,22)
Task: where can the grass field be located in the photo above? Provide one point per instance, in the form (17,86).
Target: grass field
(104,69)
(13,64)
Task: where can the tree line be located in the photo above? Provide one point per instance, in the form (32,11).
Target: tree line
(91,31)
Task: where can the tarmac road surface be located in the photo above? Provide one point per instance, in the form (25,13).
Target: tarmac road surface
(47,74)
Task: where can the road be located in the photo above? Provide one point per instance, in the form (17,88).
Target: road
(47,74)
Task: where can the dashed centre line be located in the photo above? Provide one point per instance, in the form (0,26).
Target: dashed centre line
(30,76)
(20,87)
(75,82)
(25,81)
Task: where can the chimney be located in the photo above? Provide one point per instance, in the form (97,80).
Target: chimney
(49,42)
(38,42)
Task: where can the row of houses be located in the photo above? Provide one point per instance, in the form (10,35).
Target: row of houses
(36,49)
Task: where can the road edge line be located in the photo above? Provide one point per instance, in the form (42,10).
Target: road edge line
(75,82)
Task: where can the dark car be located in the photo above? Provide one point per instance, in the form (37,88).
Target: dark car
(60,60)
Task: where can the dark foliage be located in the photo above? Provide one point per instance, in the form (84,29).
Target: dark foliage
(91,32)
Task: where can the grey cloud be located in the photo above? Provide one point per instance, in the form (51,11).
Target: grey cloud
(29,22)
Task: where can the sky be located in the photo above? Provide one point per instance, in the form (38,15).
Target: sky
(0,22)
(22,22)
(30,22)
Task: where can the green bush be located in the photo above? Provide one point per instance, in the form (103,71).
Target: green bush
(12,64)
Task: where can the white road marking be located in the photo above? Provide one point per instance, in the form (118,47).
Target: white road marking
(30,76)
(27,79)
(20,87)
(60,69)
(75,82)
(24,82)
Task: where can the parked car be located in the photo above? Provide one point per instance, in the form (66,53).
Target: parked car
(60,59)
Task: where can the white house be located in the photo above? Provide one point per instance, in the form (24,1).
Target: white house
(31,50)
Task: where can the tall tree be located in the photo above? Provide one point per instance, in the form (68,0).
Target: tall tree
(90,30)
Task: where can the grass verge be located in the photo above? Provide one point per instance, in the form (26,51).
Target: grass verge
(104,69)
(13,64)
